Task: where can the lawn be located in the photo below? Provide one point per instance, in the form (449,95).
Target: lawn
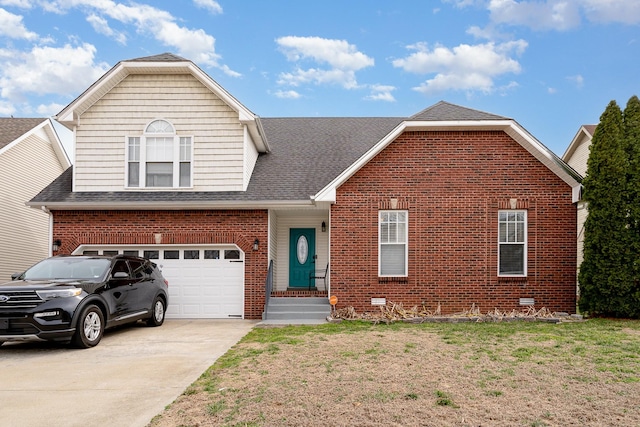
(432,374)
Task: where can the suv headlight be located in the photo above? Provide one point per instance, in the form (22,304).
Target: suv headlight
(59,293)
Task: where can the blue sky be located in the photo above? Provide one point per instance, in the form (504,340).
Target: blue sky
(552,65)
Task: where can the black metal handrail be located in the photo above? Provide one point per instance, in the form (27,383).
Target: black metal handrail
(268,288)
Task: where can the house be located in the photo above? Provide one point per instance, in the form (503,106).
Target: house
(449,207)
(576,156)
(31,156)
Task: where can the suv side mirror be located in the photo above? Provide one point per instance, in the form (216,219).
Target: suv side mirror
(15,276)
(121,275)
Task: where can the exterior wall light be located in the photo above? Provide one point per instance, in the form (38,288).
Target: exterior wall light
(255,244)
(55,247)
(324,226)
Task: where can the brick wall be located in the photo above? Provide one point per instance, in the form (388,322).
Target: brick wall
(75,228)
(453,184)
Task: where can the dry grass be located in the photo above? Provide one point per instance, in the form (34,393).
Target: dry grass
(432,374)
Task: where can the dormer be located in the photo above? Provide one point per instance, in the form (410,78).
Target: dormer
(161,123)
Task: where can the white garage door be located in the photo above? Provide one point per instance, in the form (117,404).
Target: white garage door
(204,282)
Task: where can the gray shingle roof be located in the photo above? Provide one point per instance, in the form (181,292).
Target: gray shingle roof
(306,154)
(162,57)
(444,111)
(12,129)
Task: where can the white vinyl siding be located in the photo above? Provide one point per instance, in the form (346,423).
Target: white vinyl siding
(393,229)
(25,169)
(250,158)
(512,243)
(218,153)
(580,155)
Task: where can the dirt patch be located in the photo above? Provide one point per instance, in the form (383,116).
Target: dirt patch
(416,376)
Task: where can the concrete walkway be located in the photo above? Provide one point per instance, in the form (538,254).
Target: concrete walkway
(125,381)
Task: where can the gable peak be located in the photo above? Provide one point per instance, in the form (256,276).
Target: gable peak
(445,111)
(162,57)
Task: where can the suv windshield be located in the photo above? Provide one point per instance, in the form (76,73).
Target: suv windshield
(68,268)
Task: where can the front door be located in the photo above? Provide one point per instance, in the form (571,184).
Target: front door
(302,251)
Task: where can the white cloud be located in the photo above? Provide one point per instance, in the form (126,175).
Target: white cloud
(23,4)
(100,25)
(194,44)
(341,58)
(548,15)
(210,5)
(558,15)
(11,26)
(605,11)
(578,80)
(50,109)
(381,93)
(287,94)
(7,108)
(48,70)
(465,67)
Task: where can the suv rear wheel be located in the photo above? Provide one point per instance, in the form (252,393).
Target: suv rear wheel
(90,327)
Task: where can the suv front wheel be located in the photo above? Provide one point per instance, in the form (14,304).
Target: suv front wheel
(90,327)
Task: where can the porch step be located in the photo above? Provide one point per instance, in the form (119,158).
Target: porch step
(292,310)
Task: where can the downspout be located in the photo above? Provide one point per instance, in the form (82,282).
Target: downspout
(50,240)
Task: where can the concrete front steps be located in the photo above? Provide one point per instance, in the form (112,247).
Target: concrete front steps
(297,311)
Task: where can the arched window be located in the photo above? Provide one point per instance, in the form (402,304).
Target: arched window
(159,158)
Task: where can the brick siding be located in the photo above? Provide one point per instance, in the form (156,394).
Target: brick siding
(75,228)
(453,184)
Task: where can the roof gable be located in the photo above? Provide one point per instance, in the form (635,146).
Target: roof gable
(584,133)
(449,117)
(11,129)
(165,63)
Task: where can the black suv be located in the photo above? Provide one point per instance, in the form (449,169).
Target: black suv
(74,298)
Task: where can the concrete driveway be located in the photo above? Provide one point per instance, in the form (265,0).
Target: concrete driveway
(125,381)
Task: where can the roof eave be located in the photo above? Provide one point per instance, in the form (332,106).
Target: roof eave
(163,205)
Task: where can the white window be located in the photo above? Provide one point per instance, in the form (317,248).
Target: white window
(159,158)
(392,246)
(512,243)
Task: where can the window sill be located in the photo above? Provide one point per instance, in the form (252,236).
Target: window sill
(157,188)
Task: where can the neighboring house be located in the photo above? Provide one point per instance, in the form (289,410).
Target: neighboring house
(576,156)
(31,156)
(449,207)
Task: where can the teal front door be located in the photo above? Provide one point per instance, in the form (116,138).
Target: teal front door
(302,256)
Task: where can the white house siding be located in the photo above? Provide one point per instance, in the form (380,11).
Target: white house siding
(25,169)
(180,99)
(250,157)
(286,222)
(578,159)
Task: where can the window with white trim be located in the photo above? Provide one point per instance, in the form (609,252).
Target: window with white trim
(393,243)
(159,158)
(512,243)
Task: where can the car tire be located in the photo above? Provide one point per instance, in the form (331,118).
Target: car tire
(90,327)
(158,310)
